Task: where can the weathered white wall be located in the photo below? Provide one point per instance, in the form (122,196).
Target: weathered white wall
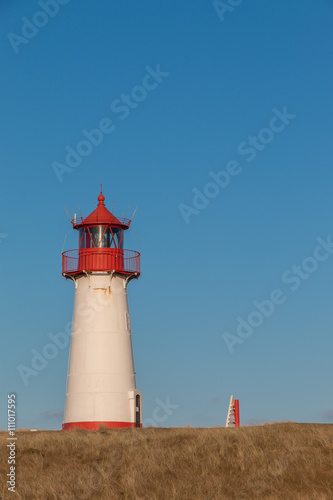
(101,375)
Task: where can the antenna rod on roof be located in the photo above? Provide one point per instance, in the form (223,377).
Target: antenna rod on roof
(133,214)
(129,206)
(113,206)
(67,213)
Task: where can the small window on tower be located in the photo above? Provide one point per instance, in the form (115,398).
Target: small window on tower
(127,321)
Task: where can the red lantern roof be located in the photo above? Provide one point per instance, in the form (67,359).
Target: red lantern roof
(101,216)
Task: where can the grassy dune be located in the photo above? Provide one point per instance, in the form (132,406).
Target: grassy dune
(273,461)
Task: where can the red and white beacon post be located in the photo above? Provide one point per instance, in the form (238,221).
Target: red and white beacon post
(101,386)
(233,413)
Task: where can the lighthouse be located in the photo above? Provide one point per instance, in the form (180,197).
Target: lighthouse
(101,387)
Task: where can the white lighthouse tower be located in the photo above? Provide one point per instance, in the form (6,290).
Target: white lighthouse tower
(101,387)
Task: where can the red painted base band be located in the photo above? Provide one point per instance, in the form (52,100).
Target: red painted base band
(96,425)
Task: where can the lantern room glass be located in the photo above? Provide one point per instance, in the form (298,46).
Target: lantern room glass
(101,237)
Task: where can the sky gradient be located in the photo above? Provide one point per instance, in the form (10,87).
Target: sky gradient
(218,127)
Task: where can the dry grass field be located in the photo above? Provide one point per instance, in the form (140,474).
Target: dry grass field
(272,461)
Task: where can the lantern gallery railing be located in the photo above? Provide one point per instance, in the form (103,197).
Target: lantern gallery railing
(78,221)
(101,259)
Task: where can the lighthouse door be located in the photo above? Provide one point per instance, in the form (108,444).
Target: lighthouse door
(137,411)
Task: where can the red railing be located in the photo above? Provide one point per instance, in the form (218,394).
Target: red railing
(100,259)
(77,221)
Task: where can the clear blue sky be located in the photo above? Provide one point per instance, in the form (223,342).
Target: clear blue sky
(222,79)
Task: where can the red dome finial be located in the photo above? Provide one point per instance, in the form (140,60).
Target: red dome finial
(101,197)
